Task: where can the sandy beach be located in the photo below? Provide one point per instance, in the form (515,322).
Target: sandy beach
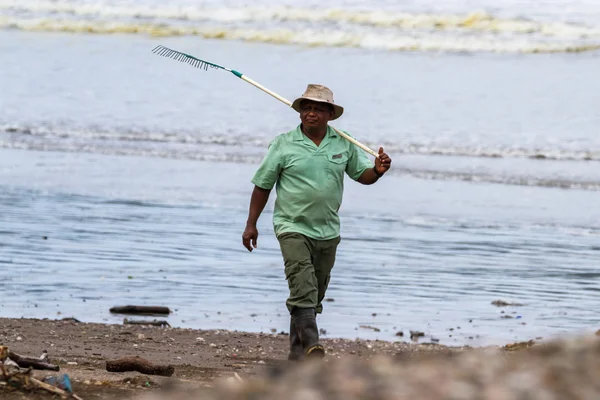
(200,357)
(226,364)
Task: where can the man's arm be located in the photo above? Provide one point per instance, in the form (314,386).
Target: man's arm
(368,177)
(258,201)
(372,175)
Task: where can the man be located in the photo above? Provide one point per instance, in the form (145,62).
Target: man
(308,164)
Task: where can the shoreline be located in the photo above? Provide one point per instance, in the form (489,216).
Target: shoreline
(200,358)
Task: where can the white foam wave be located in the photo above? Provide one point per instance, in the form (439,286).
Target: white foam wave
(37,133)
(475,21)
(426,42)
(328,27)
(506,180)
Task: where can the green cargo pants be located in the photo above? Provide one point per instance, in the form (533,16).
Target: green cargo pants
(308,263)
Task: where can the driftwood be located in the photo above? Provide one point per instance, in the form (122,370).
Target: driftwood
(140,310)
(23,377)
(35,363)
(153,323)
(138,364)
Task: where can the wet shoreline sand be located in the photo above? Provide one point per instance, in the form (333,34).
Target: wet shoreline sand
(209,360)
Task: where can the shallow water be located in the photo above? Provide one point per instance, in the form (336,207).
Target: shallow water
(137,168)
(124,230)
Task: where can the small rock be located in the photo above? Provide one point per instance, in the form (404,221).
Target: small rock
(329,299)
(213,345)
(322,331)
(400,333)
(141,336)
(19,338)
(200,339)
(261,362)
(71,363)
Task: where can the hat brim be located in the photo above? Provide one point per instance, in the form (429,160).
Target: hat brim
(337,110)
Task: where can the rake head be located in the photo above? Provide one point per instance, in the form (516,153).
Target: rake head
(186,58)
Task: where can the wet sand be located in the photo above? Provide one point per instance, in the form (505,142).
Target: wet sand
(200,357)
(211,364)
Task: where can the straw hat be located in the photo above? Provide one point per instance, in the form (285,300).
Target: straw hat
(321,94)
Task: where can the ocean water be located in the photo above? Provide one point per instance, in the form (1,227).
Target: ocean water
(125,177)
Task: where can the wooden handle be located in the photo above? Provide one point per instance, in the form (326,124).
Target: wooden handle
(356,142)
(289,104)
(264,89)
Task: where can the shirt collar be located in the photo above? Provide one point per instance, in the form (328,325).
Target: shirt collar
(299,135)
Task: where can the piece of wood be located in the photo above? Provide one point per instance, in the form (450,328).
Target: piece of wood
(125,364)
(49,388)
(35,363)
(140,310)
(153,323)
(3,353)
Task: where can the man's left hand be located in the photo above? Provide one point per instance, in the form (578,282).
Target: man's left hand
(383,163)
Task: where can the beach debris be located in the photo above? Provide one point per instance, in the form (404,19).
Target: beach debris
(518,345)
(140,380)
(71,319)
(21,378)
(35,363)
(138,364)
(141,322)
(503,303)
(370,327)
(416,334)
(140,310)
(62,382)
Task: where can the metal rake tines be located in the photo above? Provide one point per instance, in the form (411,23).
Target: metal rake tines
(182,57)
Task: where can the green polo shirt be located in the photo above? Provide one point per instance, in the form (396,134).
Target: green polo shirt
(310,181)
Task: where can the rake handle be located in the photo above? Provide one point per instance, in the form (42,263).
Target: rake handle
(289,104)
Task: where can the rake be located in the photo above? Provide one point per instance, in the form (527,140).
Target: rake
(205,65)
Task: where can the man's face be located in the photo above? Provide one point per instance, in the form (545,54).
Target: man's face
(315,115)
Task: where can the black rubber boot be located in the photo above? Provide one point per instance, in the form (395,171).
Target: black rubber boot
(296,351)
(306,325)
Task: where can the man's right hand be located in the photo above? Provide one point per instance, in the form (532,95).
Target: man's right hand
(249,237)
